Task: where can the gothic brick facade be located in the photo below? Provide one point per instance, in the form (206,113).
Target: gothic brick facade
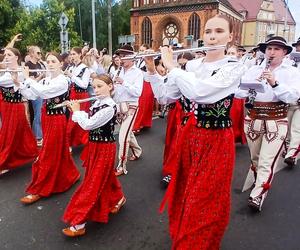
(159,22)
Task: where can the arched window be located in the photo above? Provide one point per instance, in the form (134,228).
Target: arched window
(147,31)
(194,26)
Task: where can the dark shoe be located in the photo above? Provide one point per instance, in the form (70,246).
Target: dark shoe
(255,203)
(290,161)
(165,181)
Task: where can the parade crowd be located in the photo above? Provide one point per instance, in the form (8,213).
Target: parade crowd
(212,98)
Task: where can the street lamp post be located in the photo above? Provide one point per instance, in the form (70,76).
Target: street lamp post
(109,27)
(93,24)
(285,19)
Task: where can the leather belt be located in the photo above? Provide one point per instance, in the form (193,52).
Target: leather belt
(268,110)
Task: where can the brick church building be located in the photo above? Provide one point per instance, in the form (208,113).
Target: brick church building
(161,22)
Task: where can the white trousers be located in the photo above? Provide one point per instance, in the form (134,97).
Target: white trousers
(126,137)
(265,140)
(293,138)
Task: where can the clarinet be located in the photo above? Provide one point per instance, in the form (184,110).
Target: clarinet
(117,74)
(252,93)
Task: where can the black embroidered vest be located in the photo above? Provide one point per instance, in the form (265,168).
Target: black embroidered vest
(51,102)
(104,133)
(209,116)
(9,95)
(76,87)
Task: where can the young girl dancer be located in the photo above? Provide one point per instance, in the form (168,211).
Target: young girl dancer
(15,127)
(54,171)
(100,192)
(80,78)
(199,192)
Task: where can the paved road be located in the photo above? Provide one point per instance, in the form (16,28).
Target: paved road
(139,225)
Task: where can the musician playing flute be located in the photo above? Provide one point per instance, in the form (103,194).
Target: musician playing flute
(266,122)
(100,192)
(198,195)
(17,142)
(128,89)
(293,138)
(80,77)
(54,171)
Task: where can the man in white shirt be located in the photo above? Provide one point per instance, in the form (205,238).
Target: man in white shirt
(266,122)
(128,88)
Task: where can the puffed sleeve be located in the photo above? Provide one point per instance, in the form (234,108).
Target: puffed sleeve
(97,120)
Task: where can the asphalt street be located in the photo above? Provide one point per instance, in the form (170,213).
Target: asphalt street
(139,225)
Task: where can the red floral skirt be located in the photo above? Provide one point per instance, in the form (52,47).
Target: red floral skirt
(55,170)
(146,102)
(17,142)
(76,134)
(237,116)
(199,192)
(100,189)
(174,119)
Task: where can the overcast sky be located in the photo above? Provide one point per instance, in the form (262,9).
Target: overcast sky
(294,6)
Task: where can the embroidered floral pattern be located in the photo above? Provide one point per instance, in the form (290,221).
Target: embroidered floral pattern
(50,103)
(104,133)
(210,116)
(9,95)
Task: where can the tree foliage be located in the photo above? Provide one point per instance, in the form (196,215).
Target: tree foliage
(39,25)
(10,13)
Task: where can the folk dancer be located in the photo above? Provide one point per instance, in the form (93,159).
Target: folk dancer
(175,114)
(79,76)
(17,141)
(128,89)
(199,193)
(54,171)
(100,193)
(266,121)
(146,100)
(293,138)
(237,110)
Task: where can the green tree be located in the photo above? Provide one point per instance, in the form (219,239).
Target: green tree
(120,20)
(39,26)
(10,13)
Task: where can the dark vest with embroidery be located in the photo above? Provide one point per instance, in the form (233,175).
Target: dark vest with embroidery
(9,95)
(209,116)
(76,87)
(104,133)
(51,102)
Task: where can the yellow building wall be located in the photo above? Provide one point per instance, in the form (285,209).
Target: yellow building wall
(249,34)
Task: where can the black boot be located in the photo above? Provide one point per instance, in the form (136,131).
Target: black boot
(165,181)
(290,161)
